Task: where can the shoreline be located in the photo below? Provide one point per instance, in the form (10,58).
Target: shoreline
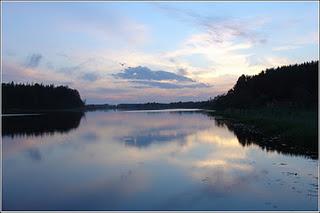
(293,126)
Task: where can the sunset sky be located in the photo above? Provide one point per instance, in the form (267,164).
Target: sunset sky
(113,52)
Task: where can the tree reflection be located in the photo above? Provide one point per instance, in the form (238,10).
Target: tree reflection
(248,135)
(39,125)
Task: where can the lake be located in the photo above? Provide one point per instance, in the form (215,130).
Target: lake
(148,160)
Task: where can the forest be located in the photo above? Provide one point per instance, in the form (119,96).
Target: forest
(293,86)
(280,102)
(35,97)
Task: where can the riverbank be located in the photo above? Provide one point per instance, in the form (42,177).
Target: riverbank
(295,126)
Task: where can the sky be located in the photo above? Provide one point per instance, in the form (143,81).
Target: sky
(134,52)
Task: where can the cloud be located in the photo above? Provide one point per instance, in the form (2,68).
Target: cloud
(33,60)
(144,73)
(63,55)
(159,79)
(166,85)
(69,70)
(72,69)
(221,58)
(220,28)
(89,77)
(183,71)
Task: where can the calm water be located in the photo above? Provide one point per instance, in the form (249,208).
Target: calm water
(147,161)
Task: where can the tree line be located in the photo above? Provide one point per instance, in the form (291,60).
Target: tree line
(159,106)
(287,86)
(17,97)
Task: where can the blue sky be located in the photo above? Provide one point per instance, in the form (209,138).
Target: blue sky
(89,45)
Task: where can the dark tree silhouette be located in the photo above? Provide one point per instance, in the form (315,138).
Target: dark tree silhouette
(287,86)
(29,97)
(40,125)
(247,136)
(172,105)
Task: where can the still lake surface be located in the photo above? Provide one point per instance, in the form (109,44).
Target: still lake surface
(147,160)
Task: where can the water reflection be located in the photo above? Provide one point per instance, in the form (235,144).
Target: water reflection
(63,122)
(248,135)
(152,161)
(39,125)
(161,135)
(34,154)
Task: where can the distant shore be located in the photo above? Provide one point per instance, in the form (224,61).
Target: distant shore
(125,107)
